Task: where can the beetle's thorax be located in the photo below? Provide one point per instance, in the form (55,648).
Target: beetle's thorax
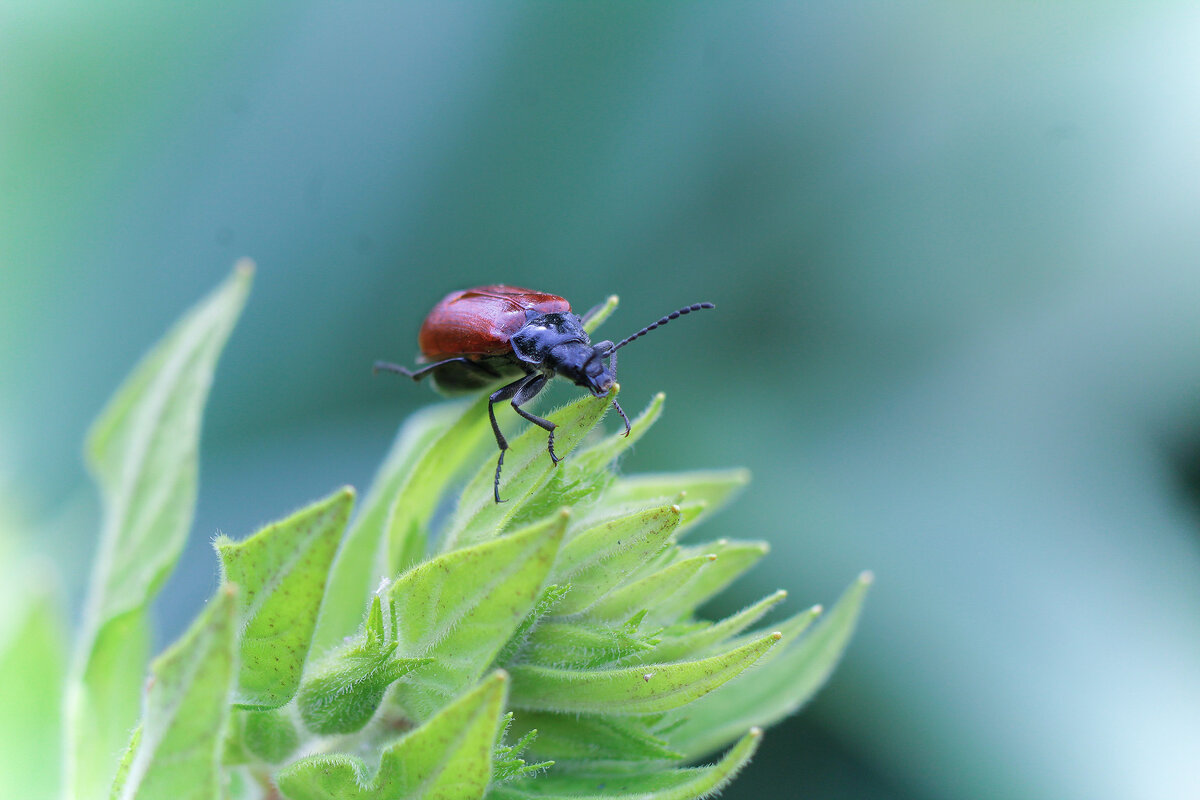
(558,344)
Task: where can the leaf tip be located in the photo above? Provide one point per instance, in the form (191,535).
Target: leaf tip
(780,594)
(244,268)
(777,635)
(866,577)
(755,732)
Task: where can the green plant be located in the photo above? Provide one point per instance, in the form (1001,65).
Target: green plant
(540,648)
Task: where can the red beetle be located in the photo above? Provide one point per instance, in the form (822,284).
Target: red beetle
(478,337)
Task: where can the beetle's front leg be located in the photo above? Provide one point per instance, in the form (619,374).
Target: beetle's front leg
(503,393)
(524,395)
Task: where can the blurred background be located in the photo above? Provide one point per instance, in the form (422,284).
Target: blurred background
(955,250)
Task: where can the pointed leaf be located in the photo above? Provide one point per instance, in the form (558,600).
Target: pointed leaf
(620,784)
(602,313)
(527,466)
(461,608)
(344,692)
(700,638)
(733,559)
(604,452)
(582,646)
(187,709)
(143,453)
(705,491)
(447,758)
(548,599)
(281,573)
(631,690)
(593,737)
(654,592)
(778,687)
(388,534)
(599,558)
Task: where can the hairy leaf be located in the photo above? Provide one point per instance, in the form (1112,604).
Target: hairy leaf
(527,466)
(462,607)
(388,534)
(447,758)
(704,491)
(187,708)
(698,638)
(281,573)
(632,690)
(778,687)
(344,692)
(599,558)
(620,784)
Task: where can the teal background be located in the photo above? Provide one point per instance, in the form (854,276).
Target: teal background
(955,251)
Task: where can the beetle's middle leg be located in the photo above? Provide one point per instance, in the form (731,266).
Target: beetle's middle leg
(524,395)
(501,394)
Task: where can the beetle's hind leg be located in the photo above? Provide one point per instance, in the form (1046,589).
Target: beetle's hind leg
(501,394)
(417,374)
(524,395)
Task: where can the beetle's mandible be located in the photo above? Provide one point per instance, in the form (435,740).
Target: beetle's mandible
(478,337)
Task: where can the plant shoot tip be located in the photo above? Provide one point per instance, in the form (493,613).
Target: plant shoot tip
(777,635)
(866,577)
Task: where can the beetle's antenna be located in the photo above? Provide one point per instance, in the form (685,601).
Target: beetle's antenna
(663,321)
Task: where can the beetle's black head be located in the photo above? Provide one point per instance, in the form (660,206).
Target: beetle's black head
(557,343)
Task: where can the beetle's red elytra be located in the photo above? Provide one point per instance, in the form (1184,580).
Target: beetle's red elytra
(482,336)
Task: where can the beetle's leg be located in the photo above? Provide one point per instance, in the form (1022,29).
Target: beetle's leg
(524,395)
(621,411)
(417,374)
(503,393)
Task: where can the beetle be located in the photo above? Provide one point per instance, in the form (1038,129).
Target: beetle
(479,337)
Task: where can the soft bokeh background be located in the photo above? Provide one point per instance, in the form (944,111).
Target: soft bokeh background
(955,248)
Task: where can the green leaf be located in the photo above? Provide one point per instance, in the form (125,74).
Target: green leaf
(269,736)
(577,644)
(732,560)
(696,639)
(143,453)
(619,784)
(507,763)
(632,690)
(594,737)
(598,558)
(704,491)
(187,709)
(595,458)
(388,534)
(32,667)
(447,758)
(548,599)
(281,573)
(527,466)
(345,691)
(778,687)
(461,608)
(654,592)
(602,313)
